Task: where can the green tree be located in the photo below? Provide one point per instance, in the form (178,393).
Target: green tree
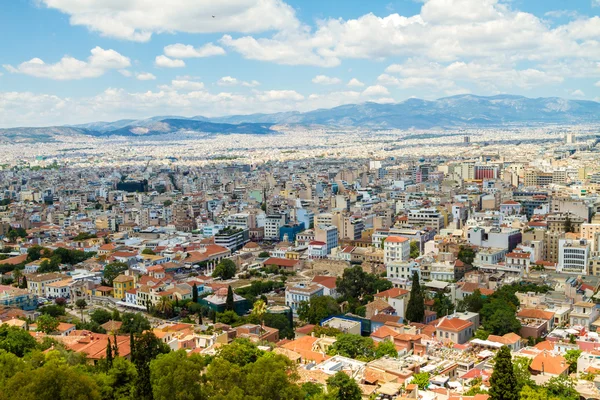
(225,269)
(503,383)
(281,323)
(229,303)
(421,380)
(569,228)
(474,302)
(175,376)
(109,354)
(571,357)
(534,393)
(240,352)
(442,304)
(101,316)
(414,249)
(34,253)
(318,309)
(386,348)
(165,307)
(415,310)
(344,387)
(10,364)
(356,283)
(502,321)
(353,346)
(562,387)
(51,382)
(47,324)
(112,270)
(119,382)
(271,377)
(146,348)
(264,254)
(53,310)
(522,373)
(16,341)
(134,323)
(148,251)
(466,254)
(312,389)
(81,304)
(228,317)
(194,293)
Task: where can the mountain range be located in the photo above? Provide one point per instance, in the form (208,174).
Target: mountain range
(448,112)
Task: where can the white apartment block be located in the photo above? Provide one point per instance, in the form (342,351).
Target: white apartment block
(573,256)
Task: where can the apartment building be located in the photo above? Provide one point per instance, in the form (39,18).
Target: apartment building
(573,256)
(426,218)
(395,249)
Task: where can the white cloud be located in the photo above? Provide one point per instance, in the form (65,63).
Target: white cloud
(125,72)
(71,68)
(417,73)
(138,20)
(326,80)
(578,93)
(145,76)
(279,95)
(355,83)
(252,83)
(597,84)
(179,50)
(297,50)
(227,81)
(166,62)
(231,81)
(376,90)
(183,96)
(478,43)
(183,84)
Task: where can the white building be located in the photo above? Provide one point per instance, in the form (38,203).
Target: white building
(426,218)
(395,249)
(299,292)
(272,224)
(573,256)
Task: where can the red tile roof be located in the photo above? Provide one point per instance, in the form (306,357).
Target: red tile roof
(453,324)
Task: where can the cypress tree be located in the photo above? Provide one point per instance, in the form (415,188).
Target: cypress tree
(415,310)
(131,347)
(116,346)
(109,354)
(195,293)
(229,304)
(503,384)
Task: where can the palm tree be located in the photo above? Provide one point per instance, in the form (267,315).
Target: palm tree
(17,274)
(164,306)
(259,309)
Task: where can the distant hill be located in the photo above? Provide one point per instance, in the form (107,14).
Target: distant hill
(448,112)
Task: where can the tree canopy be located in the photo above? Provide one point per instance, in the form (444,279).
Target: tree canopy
(318,309)
(415,309)
(226,269)
(112,270)
(503,383)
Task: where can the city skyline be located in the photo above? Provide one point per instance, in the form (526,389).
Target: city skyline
(75,63)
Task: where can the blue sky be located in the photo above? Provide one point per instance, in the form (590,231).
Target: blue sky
(73,61)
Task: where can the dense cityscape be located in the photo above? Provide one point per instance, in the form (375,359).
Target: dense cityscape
(397,264)
(300,200)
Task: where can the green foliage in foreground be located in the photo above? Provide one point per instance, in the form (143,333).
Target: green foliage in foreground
(238,371)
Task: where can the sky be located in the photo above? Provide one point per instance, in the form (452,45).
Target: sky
(76,61)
